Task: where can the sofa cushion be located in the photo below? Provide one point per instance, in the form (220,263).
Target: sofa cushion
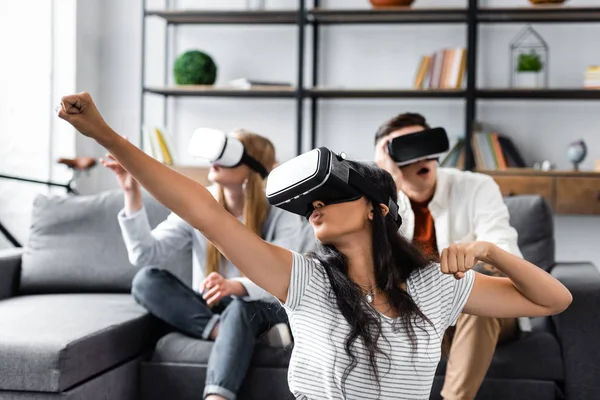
(178,348)
(52,342)
(75,245)
(536,356)
(532,217)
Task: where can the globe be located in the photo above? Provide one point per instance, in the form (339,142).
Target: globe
(576,153)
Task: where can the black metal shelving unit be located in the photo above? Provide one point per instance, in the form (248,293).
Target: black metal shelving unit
(472,16)
(175,18)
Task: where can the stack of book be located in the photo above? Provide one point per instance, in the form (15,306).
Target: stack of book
(444,69)
(491,151)
(592,78)
(158,145)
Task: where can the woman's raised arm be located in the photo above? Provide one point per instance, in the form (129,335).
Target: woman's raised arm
(267,265)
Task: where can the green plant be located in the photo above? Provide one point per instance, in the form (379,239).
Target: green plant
(529,62)
(195,67)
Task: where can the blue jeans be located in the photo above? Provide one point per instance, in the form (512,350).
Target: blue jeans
(240,323)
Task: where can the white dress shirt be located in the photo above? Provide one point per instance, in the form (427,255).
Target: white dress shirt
(466,206)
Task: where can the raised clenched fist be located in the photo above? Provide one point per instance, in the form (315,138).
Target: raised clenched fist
(80,111)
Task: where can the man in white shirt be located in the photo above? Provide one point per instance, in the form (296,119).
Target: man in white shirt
(441,206)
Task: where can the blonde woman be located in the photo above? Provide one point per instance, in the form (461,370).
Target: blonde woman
(222,305)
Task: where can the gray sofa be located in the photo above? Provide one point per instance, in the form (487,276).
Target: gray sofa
(69,329)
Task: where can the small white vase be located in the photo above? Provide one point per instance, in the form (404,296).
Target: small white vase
(527,80)
(255,5)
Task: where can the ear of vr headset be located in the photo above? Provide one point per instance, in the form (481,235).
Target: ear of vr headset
(218,148)
(424,145)
(322,175)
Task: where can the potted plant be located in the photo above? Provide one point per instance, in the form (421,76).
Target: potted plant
(529,66)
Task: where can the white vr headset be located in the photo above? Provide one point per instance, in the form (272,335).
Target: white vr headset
(322,175)
(226,151)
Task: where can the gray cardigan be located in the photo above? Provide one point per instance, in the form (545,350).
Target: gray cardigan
(149,247)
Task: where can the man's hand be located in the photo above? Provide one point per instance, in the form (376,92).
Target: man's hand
(215,287)
(385,161)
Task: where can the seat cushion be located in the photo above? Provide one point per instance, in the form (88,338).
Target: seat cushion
(75,245)
(52,342)
(536,356)
(178,348)
(532,217)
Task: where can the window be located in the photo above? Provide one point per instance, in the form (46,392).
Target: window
(37,53)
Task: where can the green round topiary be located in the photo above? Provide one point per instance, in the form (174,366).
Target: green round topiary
(195,67)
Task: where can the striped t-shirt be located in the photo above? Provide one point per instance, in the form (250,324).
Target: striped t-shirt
(319,359)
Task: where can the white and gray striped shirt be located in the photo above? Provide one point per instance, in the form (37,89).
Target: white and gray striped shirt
(319,359)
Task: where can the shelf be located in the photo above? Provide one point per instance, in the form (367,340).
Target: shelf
(537,172)
(423,15)
(388,15)
(211,91)
(539,14)
(366,93)
(225,17)
(541,94)
(357,93)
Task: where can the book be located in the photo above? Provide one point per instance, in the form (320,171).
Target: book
(245,83)
(451,160)
(511,153)
(592,78)
(423,71)
(493,151)
(444,69)
(500,160)
(157,144)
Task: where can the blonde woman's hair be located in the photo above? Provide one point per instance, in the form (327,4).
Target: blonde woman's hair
(256,206)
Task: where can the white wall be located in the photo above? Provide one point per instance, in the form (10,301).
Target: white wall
(355,56)
(91,30)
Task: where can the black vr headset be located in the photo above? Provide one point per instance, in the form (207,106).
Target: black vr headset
(322,175)
(429,144)
(221,149)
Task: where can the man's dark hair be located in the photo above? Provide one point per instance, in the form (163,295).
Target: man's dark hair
(401,121)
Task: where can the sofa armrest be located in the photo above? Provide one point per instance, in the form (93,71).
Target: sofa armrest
(578,329)
(10,271)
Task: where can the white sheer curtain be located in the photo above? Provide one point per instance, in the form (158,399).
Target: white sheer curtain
(28,84)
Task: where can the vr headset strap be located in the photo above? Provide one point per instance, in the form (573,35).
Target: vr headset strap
(223,149)
(254,164)
(359,182)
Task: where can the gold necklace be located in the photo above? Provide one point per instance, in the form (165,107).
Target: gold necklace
(370,295)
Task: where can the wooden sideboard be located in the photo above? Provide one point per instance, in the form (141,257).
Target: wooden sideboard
(567,192)
(199,174)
